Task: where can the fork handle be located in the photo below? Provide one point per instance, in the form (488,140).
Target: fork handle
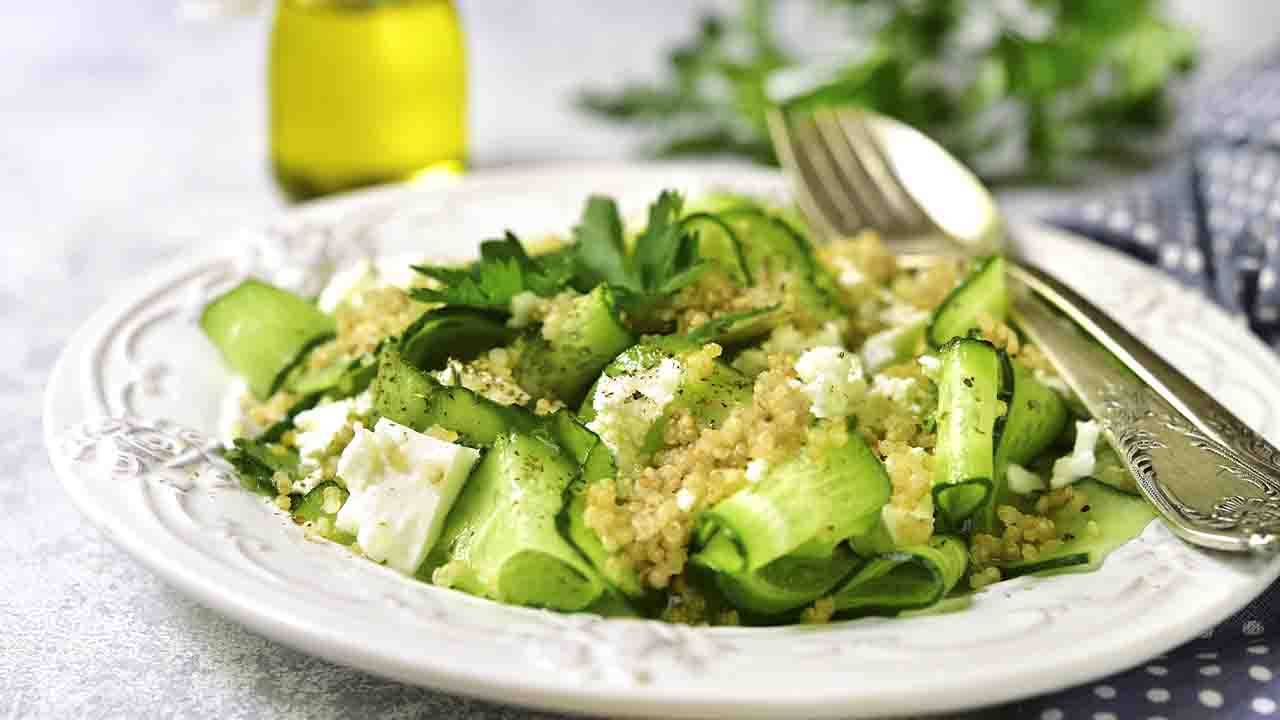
(1215,480)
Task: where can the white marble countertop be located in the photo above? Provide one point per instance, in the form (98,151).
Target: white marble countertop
(128,136)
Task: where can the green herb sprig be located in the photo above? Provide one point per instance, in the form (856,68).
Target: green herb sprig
(1023,89)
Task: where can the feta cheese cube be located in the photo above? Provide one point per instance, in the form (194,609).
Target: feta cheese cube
(402,485)
(1082,461)
(832,379)
(320,426)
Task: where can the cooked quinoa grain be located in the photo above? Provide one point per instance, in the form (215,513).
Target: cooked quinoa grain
(383,313)
(647,529)
(1026,535)
(490,375)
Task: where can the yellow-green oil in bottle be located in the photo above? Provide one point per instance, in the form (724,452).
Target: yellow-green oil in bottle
(365,92)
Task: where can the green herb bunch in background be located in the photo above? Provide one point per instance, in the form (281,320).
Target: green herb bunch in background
(1022,88)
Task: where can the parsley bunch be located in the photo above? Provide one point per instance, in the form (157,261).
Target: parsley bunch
(1021,88)
(503,271)
(663,259)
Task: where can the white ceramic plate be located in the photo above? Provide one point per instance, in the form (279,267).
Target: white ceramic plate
(135,398)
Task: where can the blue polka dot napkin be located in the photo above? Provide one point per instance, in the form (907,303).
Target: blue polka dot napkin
(1211,219)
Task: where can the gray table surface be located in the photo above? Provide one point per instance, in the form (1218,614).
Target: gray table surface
(128,136)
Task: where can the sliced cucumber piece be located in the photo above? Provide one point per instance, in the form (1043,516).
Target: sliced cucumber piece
(735,328)
(1036,418)
(612,605)
(336,381)
(564,365)
(983,292)
(595,465)
(708,399)
(909,579)
(310,508)
(257,462)
(501,539)
(1117,518)
(816,499)
(969,384)
(774,249)
(452,333)
(263,331)
(1110,470)
(718,241)
(620,577)
(786,583)
(414,399)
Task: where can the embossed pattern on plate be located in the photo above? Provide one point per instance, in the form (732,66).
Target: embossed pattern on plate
(145,476)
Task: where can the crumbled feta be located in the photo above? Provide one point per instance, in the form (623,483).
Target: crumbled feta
(880,349)
(848,275)
(930,364)
(525,308)
(787,339)
(757,469)
(320,426)
(309,481)
(685,500)
(402,485)
(832,379)
(1081,462)
(348,285)
(627,405)
(450,375)
(1022,481)
(884,347)
(896,389)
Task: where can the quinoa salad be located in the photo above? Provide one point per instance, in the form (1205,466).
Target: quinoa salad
(701,417)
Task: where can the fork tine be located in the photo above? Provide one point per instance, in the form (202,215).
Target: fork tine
(812,151)
(818,211)
(859,186)
(871,157)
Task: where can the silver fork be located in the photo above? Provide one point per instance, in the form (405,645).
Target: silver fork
(1214,480)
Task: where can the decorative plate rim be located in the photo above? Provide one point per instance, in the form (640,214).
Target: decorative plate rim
(343,645)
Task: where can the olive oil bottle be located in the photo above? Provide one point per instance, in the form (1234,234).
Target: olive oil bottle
(365,92)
